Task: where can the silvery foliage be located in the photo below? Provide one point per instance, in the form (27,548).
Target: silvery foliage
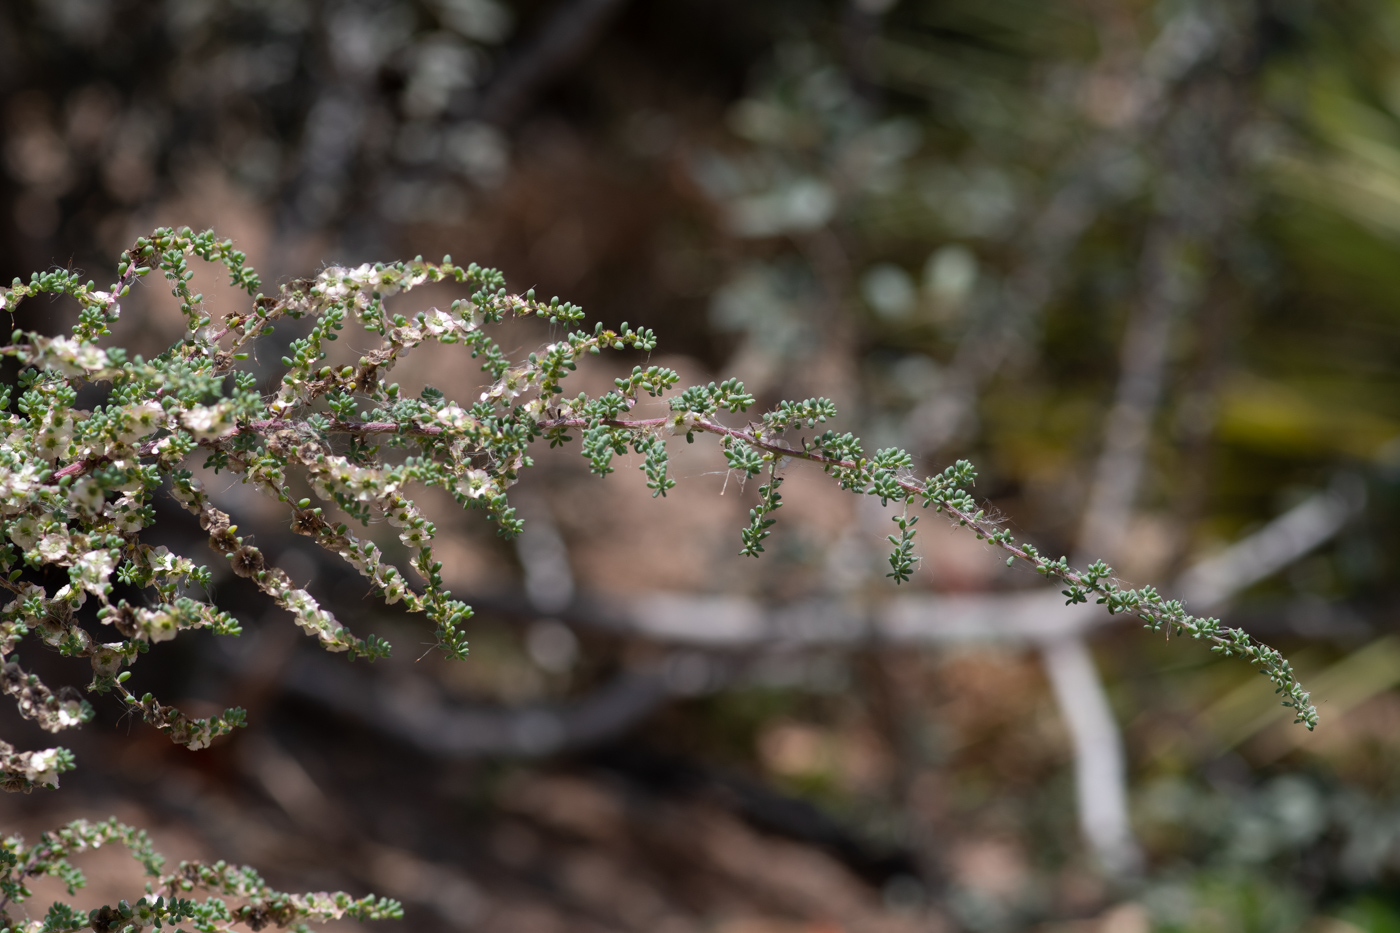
(76,489)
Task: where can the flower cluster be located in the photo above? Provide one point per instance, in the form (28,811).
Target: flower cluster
(237,895)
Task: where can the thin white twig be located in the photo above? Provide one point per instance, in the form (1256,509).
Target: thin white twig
(1100,768)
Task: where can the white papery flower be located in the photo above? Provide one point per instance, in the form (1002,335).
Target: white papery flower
(474,483)
(201,419)
(66,594)
(298,601)
(91,358)
(107,658)
(53,547)
(392,582)
(68,355)
(454,416)
(363,484)
(53,440)
(158,625)
(161,559)
(415,537)
(87,495)
(322,624)
(314,620)
(62,354)
(508,389)
(206,422)
(332,281)
(42,767)
(94,569)
(680,424)
(24,531)
(70,714)
(16,484)
(437,322)
(139,420)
